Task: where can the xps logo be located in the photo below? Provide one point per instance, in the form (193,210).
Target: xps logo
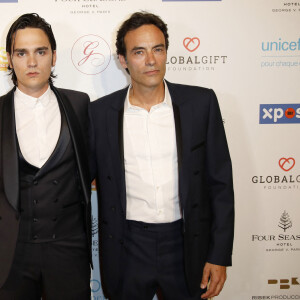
(279,113)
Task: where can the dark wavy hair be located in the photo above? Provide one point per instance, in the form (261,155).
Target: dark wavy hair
(31,20)
(135,21)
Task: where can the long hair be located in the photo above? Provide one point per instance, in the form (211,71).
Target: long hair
(31,20)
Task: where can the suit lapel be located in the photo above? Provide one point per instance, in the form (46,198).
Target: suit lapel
(115,136)
(9,151)
(183,127)
(60,148)
(178,130)
(77,140)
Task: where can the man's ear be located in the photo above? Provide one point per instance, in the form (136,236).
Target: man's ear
(9,60)
(123,61)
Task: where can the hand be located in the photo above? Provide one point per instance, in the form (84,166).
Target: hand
(216,275)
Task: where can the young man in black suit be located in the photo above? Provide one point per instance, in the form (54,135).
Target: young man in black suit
(163,168)
(44,177)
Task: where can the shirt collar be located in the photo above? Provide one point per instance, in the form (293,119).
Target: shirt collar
(167,100)
(32,101)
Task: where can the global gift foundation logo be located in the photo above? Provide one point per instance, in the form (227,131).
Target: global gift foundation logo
(3,60)
(285,179)
(286,164)
(189,57)
(279,113)
(91,54)
(191,44)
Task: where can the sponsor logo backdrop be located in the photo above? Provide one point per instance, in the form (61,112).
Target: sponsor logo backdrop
(249,53)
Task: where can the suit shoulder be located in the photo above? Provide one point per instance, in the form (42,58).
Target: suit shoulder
(72,94)
(112,99)
(191,93)
(190,88)
(7,95)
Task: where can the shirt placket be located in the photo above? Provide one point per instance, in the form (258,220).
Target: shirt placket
(41,132)
(152,146)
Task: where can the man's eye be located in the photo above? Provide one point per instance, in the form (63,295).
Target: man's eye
(41,52)
(139,52)
(20,54)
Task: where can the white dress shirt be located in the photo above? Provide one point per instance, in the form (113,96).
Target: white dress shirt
(38,123)
(151,166)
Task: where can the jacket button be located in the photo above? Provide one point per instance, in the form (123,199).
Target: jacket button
(35,237)
(35,182)
(35,202)
(55,182)
(54,236)
(35,220)
(110,236)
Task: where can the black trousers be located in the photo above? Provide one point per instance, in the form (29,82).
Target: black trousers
(153,263)
(54,271)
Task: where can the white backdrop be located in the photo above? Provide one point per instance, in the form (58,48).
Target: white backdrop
(249,53)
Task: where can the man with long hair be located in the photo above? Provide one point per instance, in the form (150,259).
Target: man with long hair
(45,232)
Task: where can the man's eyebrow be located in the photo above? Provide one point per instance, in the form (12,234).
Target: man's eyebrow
(20,50)
(41,48)
(142,48)
(25,50)
(159,45)
(137,48)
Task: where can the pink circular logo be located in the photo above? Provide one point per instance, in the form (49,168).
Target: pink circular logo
(91,54)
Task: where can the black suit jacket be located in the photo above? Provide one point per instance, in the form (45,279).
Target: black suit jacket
(75,107)
(205,181)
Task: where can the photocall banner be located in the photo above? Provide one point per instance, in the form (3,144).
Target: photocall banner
(249,53)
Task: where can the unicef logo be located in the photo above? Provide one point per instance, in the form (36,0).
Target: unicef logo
(91,54)
(95,285)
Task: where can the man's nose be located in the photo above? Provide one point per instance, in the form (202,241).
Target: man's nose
(32,61)
(150,59)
